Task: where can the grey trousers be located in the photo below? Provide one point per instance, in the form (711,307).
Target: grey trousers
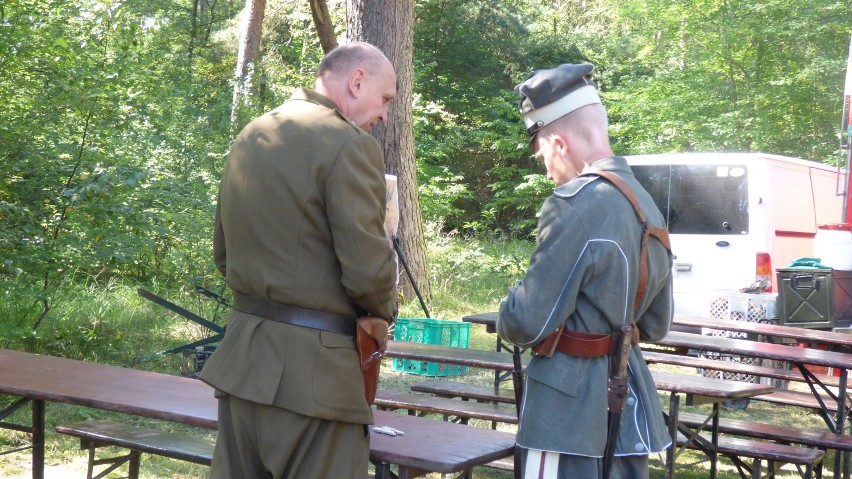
(258,441)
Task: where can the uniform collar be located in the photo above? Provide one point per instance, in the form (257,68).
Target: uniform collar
(318,98)
(313,96)
(613,163)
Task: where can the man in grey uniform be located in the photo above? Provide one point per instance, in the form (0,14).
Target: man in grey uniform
(584,274)
(300,239)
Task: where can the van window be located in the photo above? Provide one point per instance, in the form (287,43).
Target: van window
(699,199)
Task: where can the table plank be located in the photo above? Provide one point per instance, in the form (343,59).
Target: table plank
(428,445)
(722,389)
(489,319)
(437,446)
(110,388)
(765,329)
(743,347)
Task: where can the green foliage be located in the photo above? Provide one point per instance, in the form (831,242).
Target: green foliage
(745,76)
(474,274)
(111,150)
(471,145)
(675,76)
(116,121)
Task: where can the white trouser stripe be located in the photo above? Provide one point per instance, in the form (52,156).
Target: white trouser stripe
(541,465)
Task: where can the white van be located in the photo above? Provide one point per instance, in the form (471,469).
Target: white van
(735,218)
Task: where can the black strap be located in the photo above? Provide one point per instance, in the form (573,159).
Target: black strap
(285,313)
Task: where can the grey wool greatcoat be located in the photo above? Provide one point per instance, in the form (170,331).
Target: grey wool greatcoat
(300,221)
(585,271)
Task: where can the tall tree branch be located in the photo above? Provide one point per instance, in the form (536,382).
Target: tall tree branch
(322,22)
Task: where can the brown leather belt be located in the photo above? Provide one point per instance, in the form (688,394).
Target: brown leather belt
(584,345)
(285,313)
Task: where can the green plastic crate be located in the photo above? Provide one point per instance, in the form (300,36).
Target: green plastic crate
(430,331)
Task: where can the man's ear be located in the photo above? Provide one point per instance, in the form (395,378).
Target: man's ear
(355,82)
(561,143)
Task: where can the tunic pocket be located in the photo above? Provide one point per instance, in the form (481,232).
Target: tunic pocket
(337,381)
(557,372)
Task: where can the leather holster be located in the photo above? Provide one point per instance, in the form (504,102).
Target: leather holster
(547,346)
(371,340)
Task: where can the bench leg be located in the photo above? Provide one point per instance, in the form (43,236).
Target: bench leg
(809,472)
(755,468)
(133,459)
(383,471)
(91,468)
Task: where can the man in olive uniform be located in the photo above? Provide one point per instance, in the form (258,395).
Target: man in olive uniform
(300,239)
(584,274)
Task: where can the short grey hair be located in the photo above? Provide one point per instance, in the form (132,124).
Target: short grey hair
(345,58)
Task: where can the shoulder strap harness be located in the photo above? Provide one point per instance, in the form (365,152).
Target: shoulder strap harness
(590,345)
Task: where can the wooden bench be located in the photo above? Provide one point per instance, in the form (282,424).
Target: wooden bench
(774,454)
(800,399)
(94,434)
(461,410)
(455,389)
(771,453)
(783,434)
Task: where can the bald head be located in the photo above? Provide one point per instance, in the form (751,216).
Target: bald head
(588,123)
(570,143)
(345,58)
(360,80)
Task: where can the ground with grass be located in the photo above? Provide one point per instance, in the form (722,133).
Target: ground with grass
(109,323)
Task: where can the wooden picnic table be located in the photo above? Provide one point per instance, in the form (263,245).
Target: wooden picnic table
(700,390)
(427,446)
(489,319)
(693,389)
(510,364)
(803,358)
(744,347)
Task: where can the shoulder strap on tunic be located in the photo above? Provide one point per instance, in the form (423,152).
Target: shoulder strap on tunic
(661,234)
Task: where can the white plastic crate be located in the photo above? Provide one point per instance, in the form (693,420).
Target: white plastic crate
(735,306)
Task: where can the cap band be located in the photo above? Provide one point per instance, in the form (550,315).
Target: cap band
(586,95)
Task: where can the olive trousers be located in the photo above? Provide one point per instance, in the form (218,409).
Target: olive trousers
(259,441)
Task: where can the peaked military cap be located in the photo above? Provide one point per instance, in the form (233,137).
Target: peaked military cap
(547,95)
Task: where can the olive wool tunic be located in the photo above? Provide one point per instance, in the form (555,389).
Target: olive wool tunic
(300,222)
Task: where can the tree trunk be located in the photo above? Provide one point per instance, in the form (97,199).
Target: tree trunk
(322,22)
(389,25)
(193,32)
(247,53)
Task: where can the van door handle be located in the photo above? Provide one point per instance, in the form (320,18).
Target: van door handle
(722,243)
(683,267)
